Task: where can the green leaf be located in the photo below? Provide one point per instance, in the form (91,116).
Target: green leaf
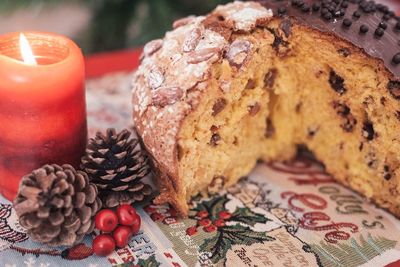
(244,235)
(217,246)
(247,216)
(228,236)
(149,262)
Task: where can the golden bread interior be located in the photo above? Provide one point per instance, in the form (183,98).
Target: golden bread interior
(305,89)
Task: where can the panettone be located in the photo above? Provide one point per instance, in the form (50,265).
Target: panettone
(254,81)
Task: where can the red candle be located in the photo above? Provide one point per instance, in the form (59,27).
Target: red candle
(42,105)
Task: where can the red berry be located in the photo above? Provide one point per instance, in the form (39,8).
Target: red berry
(210,228)
(219,223)
(157,216)
(126,214)
(226,215)
(205,222)
(122,235)
(202,214)
(103,245)
(172,212)
(137,221)
(191,231)
(149,209)
(106,220)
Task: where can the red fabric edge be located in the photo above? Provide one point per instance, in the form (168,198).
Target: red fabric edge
(102,63)
(394,264)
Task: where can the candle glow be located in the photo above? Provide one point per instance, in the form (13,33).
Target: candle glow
(26,50)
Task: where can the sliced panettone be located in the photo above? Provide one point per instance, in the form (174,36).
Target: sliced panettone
(221,91)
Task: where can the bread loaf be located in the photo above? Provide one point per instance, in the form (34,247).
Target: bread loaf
(254,81)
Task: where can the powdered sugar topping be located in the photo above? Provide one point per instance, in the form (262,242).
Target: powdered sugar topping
(245,15)
(176,70)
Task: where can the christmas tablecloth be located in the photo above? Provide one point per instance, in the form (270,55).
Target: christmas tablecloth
(282,214)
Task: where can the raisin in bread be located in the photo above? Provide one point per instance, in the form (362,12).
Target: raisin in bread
(254,81)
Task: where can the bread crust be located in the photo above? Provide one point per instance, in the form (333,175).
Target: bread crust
(189,70)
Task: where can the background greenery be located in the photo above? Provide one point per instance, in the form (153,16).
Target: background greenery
(117,24)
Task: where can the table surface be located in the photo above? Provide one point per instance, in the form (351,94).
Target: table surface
(282,213)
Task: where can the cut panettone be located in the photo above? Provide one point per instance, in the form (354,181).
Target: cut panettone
(220,92)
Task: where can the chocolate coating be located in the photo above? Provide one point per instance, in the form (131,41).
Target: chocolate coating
(379,32)
(357,14)
(281,10)
(383,25)
(316,6)
(347,22)
(364,28)
(336,17)
(396,59)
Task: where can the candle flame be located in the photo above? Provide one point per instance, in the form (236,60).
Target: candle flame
(26,50)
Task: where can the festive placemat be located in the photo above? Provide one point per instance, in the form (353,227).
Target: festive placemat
(282,214)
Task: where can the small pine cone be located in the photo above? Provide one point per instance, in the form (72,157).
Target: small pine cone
(56,204)
(116,163)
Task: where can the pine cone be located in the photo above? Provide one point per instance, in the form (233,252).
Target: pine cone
(116,163)
(56,205)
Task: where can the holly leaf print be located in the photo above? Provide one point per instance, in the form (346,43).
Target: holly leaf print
(217,246)
(228,236)
(247,216)
(213,206)
(149,262)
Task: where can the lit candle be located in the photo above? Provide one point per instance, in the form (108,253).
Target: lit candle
(42,105)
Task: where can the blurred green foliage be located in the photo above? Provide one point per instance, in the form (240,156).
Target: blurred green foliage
(117,24)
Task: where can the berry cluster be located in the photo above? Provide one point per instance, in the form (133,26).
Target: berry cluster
(207,224)
(117,229)
(164,214)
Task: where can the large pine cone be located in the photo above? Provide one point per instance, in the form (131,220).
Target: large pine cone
(56,205)
(116,163)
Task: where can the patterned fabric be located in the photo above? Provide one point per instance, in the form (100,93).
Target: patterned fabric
(282,214)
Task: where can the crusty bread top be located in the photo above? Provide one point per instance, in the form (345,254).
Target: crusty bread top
(174,71)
